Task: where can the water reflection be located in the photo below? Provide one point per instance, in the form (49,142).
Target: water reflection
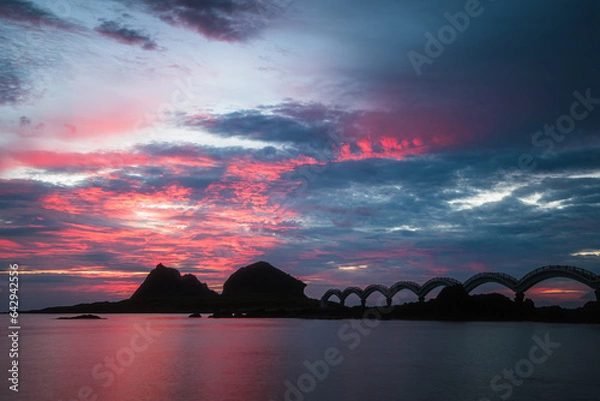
(251,360)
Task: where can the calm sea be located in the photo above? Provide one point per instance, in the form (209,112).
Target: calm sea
(173,358)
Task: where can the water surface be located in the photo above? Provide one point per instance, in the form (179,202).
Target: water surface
(181,359)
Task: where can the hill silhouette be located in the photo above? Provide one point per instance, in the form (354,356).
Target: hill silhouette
(259,286)
(263,280)
(165,282)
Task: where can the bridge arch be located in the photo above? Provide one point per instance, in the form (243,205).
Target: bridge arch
(382,289)
(352,290)
(548,272)
(483,278)
(328,294)
(404,285)
(435,282)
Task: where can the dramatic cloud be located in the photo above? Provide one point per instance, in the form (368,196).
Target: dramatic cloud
(123,34)
(272,124)
(325,133)
(36,16)
(223,20)
(12,87)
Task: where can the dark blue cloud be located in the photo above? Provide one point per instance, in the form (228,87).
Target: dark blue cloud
(27,12)
(126,35)
(13,87)
(223,20)
(17,59)
(309,127)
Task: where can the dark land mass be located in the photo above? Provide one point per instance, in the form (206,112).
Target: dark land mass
(452,304)
(263,291)
(261,280)
(165,290)
(164,283)
(81,317)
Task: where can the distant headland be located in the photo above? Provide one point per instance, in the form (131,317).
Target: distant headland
(81,317)
(262,290)
(259,286)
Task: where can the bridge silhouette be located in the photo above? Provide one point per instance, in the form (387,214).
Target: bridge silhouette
(532,278)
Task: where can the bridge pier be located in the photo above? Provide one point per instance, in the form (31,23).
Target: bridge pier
(597,292)
(363,302)
(421,299)
(343,302)
(388,301)
(520,298)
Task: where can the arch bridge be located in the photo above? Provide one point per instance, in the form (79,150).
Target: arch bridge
(529,280)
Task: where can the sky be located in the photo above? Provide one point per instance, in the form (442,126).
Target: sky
(347,142)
